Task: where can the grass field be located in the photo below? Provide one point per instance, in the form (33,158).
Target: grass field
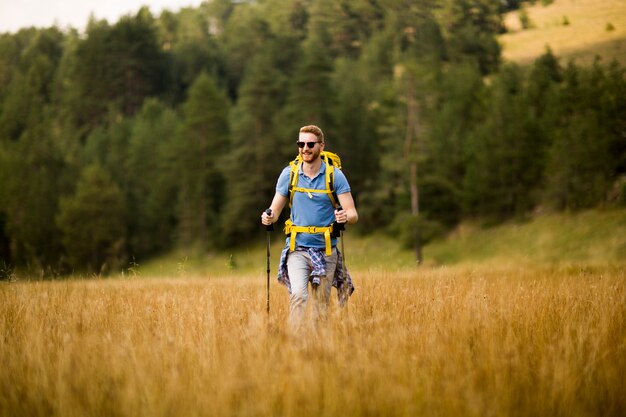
(573,29)
(435,342)
(523,319)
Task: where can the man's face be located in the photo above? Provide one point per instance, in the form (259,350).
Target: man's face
(309,154)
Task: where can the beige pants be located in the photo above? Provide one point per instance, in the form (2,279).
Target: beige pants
(299,267)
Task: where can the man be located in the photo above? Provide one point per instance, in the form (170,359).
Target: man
(313,257)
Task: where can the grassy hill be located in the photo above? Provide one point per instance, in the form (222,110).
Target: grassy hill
(589,238)
(573,29)
(596,237)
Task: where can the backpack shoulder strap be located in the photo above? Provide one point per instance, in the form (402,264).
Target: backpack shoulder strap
(293,177)
(330,181)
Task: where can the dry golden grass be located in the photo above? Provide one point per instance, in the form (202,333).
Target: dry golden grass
(582,39)
(493,341)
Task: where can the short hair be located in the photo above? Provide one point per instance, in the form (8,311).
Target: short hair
(315,130)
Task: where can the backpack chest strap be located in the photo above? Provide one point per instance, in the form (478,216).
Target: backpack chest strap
(308,191)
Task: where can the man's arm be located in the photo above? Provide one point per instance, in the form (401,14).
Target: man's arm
(278,203)
(348,213)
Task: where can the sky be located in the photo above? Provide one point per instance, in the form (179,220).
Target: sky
(16,14)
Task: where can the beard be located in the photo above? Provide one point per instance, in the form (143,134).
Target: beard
(310,155)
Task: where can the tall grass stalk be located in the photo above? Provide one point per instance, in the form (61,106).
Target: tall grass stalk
(460,341)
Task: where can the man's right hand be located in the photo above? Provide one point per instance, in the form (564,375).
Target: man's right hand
(267,219)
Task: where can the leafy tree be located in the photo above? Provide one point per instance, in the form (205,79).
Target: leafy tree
(93,222)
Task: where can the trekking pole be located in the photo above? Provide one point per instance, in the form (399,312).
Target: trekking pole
(343,297)
(341,227)
(269,228)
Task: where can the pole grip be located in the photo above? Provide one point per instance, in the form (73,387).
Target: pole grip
(269,228)
(340,226)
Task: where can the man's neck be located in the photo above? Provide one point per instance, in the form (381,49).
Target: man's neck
(311,169)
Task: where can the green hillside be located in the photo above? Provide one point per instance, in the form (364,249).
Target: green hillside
(591,237)
(596,237)
(573,29)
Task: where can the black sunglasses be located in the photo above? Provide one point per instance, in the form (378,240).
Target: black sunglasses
(309,144)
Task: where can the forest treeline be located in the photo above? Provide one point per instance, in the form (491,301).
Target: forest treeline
(155,132)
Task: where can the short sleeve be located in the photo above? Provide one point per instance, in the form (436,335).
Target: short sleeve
(341,182)
(282,185)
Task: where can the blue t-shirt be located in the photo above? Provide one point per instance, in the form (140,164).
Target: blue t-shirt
(316,210)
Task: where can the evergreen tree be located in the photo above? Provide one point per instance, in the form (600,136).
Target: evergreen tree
(188,37)
(93,222)
(458,109)
(542,91)
(153,179)
(354,137)
(585,157)
(30,86)
(32,170)
(310,99)
(418,53)
(32,165)
(245,34)
(372,175)
(613,106)
(202,142)
(117,65)
(258,152)
(349,24)
(471,27)
(108,147)
(505,153)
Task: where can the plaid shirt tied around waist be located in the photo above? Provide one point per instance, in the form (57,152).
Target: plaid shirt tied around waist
(344,285)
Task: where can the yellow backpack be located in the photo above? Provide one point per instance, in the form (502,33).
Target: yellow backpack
(331,160)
